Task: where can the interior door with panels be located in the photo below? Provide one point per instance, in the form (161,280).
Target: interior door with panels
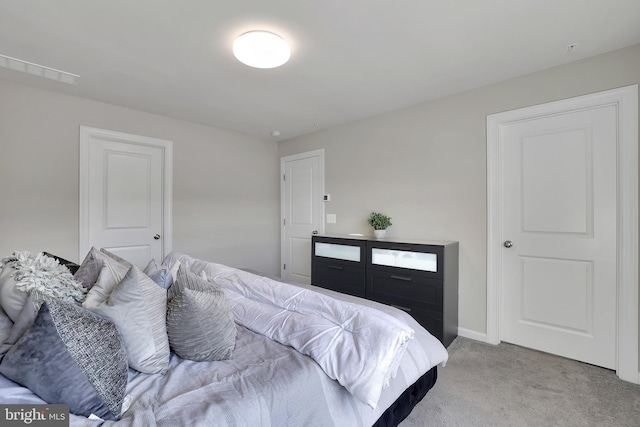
(302,212)
(559,213)
(570,292)
(125,195)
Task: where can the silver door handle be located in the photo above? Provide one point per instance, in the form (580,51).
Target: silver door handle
(508,243)
(157,237)
(315,232)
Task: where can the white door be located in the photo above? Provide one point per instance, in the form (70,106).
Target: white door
(559,226)
(124,206)
(302,212)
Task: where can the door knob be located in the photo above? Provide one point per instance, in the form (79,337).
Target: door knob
(508,243)
(315,232)
(157,237)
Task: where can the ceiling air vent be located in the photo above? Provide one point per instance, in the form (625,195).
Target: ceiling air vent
(38,70)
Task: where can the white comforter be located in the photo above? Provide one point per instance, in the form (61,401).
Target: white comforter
(265,383)
(358,346)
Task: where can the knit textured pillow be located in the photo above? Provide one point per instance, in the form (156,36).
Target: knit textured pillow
(70,355)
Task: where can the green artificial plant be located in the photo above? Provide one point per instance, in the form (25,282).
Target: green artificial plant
(379,221)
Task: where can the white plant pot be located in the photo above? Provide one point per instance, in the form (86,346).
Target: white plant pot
(379,233)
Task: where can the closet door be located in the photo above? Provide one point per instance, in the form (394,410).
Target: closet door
(125,195)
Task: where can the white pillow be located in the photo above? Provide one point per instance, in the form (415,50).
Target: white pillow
(137,306)
(111,273)
(174,269)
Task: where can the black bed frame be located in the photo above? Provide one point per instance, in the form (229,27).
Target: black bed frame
(402,407)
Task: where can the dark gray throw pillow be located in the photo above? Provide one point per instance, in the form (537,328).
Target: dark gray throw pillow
(88,272)
(71,356)
(200,324)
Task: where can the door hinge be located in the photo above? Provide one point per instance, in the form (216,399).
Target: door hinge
(284,266)
(284,177)
(284,221)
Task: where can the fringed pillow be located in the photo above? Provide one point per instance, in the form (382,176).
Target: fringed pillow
(22,273)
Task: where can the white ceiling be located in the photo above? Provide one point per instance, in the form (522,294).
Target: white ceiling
(350,59)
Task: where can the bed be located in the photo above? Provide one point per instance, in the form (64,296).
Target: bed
(281,371)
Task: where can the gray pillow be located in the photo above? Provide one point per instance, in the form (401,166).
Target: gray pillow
(115,257)
(5,325)
(187,279)
(138,306)
(69,355)
(200,325)
(88,272)
(22,323)
(12,299)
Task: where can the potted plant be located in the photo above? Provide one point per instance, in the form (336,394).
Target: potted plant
(380,222)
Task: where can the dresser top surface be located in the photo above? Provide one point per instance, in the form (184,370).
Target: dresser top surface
(390,239)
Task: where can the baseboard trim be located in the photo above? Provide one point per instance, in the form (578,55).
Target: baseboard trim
(468,333)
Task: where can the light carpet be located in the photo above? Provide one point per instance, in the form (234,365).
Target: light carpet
(508,385)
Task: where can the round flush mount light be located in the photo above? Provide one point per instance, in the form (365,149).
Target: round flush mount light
(261,49)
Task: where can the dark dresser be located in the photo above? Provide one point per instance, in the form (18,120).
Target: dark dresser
(419,277)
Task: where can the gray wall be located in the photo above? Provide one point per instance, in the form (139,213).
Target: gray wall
(425,166)
(226,188)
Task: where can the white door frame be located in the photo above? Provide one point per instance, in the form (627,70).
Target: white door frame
(626,101)
(86,133)
(283,160)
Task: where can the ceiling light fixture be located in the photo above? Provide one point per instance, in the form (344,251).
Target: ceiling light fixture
(38,70)
(261,49)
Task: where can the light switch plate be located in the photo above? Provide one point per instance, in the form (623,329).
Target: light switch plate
(331,218)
